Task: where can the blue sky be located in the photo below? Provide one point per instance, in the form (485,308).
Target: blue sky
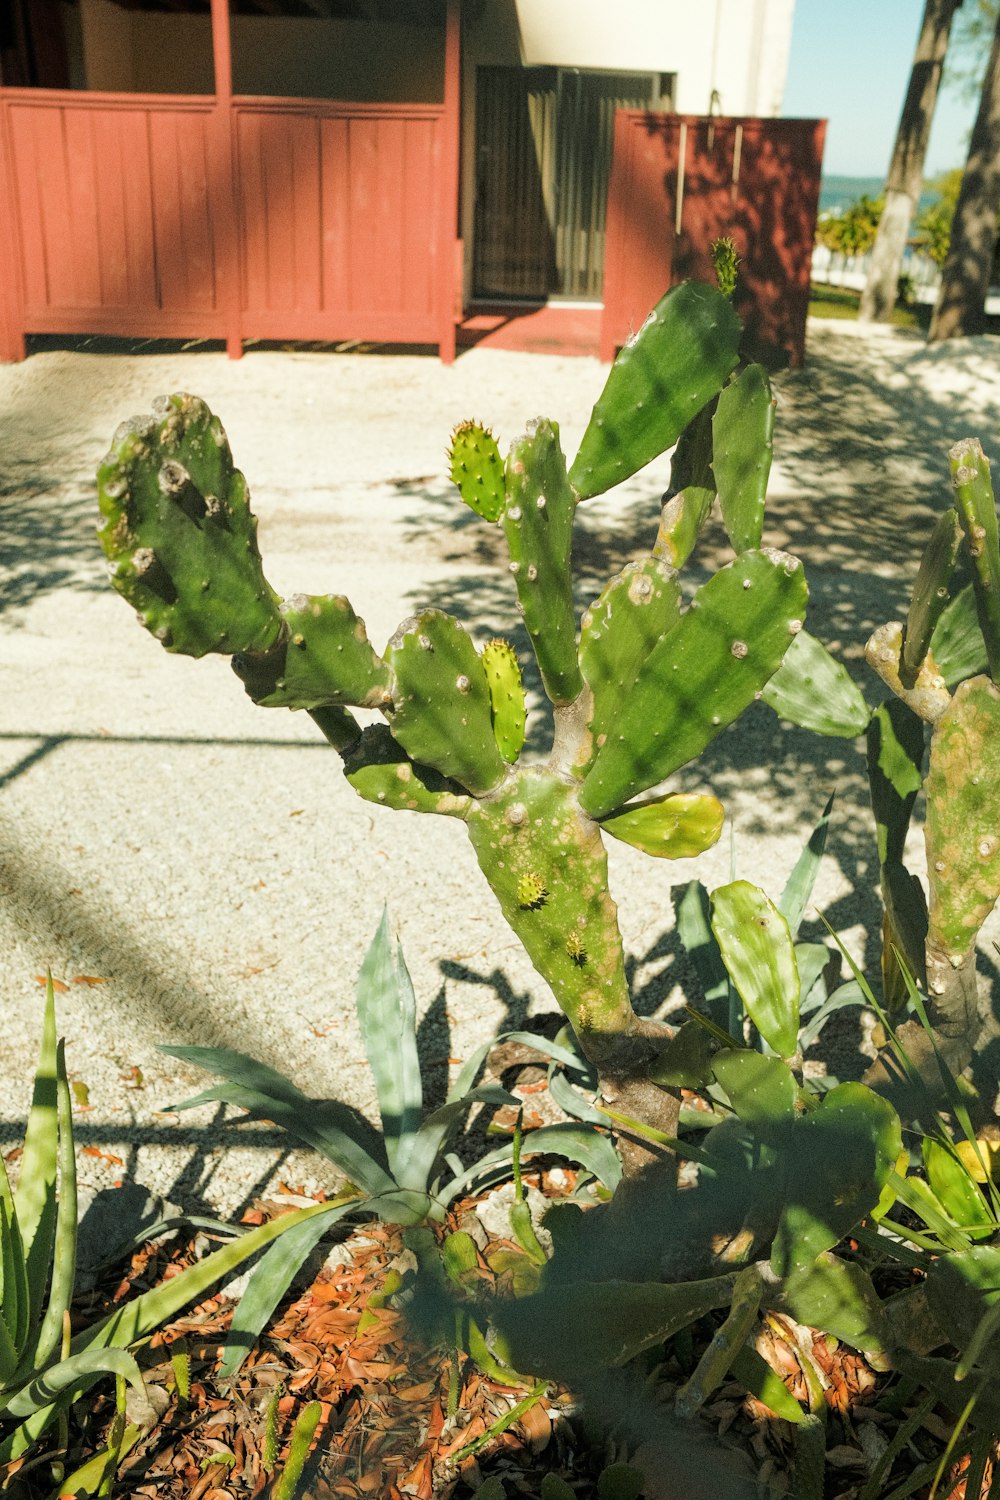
(850,63)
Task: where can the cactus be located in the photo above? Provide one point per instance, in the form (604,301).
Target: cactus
(943,646)
(638,690)
(476,468)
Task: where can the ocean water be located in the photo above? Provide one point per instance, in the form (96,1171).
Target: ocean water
(837,192)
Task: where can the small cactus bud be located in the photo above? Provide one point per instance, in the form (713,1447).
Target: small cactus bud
(531,892)
(576,950)
(725,260)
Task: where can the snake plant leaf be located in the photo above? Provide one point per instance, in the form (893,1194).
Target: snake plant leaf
(678,826)
(758,953)
(742,440)
(35,1194)
(662,378)
(812,689)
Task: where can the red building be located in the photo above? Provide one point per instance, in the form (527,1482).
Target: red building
(400,171)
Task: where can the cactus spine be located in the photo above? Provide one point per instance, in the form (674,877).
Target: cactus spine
(638,691)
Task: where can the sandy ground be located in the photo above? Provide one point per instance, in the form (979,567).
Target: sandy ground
(205,860)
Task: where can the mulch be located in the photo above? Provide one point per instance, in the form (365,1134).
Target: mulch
(402,1422)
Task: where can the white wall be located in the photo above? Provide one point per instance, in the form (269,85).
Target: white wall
(737,47)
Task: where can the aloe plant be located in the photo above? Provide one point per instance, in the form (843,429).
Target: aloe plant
(639,686)
(42,1369)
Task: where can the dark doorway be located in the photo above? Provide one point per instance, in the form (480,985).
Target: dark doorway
(543,159)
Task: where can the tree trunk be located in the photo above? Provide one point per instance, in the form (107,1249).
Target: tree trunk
(906,170)
(965,278)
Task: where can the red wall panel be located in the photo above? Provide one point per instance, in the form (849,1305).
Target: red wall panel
(680,182)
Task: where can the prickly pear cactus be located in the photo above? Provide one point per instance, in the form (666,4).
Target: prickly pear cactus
(942,642)
(638,690)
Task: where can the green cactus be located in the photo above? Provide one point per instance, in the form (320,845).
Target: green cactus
(937,939)
(538,522)
(477,468)
(503,679)
(638,690)
(180,536)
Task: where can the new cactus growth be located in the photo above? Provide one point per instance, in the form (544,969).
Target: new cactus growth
(937,939)
(638,690)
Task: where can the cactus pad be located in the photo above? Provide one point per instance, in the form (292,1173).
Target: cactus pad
(963,840)
(179,533)
(679,826)
(538,523)
(503,678)
(380,771)
(970,473)
(957,642)
(617,633)
(742,439)
(442,715)
(532,833)
(700,676)
(811,688)
(758,952)
(662,378)
(930,594)
(477,469)
(324,657)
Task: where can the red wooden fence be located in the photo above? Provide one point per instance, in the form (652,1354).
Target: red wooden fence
(185,217)
(678,182)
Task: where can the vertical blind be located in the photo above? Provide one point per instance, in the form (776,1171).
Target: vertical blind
(543,158)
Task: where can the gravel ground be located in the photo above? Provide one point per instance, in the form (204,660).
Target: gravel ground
(205,861)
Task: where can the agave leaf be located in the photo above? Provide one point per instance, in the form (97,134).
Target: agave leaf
(575,1142)
(848,994)
(269,1281)
(13,1281)
(64,1261)
(328,1126)
(430,1140)
(35,1195)
(387,1015)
